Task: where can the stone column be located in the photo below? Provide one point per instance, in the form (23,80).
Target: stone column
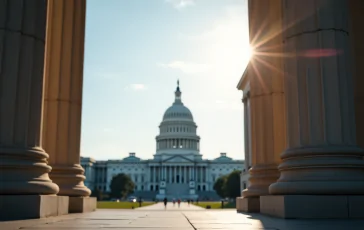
(170,174)
(63,96)
(24,170)
(357,47)
(175,174)
(153,174)
(185,174)
(267,99)
(322,170)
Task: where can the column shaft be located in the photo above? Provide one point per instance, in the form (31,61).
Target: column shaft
(322,157)
(175,174)
(266,94)
(63,94)
(23,162)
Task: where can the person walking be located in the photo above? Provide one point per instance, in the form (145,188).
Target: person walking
(179,202)
(188,201)
(165,202)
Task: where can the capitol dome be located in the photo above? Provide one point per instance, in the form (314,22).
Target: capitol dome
(177,129)
(178,111)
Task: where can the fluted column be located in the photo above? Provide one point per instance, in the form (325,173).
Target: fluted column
(322,156)
(23,162)
(154,174)
(266,95)
(185,174)
(63,94)
(357,47)
(170,174)
(176,173)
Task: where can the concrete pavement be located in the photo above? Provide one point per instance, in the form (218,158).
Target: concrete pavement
(185,218)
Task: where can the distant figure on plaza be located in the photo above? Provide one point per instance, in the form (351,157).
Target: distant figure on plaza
(188,202)
(174,201)
(179,202)
(140,201)
(165,203)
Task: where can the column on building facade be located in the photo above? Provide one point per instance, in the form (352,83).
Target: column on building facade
(154,174)
(170,174)
(205,174)
(180,173)
(194,172)
(208,178)
(23,164)
(185,174)
(197,178)
(63,94)
(322,157)
(266,90)
(160,173)
(175,173)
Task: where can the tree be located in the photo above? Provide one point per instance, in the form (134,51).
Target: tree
(97,193)
(232,185)
(219,186)
(121,186)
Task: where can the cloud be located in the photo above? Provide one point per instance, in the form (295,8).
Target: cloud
(136,87)
(180,4)
(188,68)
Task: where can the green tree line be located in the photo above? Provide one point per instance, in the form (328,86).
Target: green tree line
(228,186)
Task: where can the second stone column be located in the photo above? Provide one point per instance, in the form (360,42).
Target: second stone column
(266,100)
(63,99)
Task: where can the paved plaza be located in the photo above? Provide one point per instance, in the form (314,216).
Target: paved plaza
(183,218)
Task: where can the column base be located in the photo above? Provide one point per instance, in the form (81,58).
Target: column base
(312,206)
(247,204)
(82,204)
(70,180)
(19,207)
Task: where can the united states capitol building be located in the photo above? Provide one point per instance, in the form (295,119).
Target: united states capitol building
(177,169)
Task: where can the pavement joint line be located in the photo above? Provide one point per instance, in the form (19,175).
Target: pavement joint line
(189,221)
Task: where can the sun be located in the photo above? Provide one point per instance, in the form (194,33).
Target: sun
(249,52)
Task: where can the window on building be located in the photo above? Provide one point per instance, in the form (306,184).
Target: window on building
(199,188)
(244,185)
(204,188)
(151,188)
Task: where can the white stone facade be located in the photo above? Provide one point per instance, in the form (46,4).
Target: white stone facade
(177,169)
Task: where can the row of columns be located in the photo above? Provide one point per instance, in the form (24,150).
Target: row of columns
(178,143)
(41,93)
(170,173)
(302,111)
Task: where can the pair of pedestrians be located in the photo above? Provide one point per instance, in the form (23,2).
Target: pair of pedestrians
(165,202)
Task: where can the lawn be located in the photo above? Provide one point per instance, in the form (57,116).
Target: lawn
(215,205)
(121,205)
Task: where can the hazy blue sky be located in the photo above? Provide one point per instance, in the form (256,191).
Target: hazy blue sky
(135,52)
